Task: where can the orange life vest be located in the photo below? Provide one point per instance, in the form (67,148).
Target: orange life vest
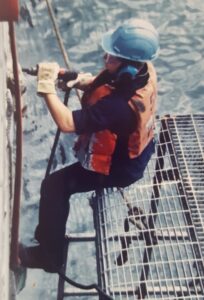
(95,150)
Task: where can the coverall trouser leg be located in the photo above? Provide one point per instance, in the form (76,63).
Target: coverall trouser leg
(56,190)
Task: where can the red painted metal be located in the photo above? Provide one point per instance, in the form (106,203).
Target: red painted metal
(18,168)
(9,10)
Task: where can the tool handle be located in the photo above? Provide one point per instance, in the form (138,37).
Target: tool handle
(63,74)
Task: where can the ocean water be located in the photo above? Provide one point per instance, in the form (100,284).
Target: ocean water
(180,69)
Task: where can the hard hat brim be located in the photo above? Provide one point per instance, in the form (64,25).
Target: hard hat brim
(106,43)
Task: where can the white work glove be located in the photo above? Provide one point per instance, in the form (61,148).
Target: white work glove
(47,75)
(82,80)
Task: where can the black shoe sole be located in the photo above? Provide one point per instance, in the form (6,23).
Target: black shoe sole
(34,258)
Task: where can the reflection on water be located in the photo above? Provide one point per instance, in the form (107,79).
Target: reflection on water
(181,85)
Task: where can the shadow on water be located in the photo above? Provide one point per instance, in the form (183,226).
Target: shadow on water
(82,23)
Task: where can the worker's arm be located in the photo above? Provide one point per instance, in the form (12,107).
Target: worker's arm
(47,75)
(61,114)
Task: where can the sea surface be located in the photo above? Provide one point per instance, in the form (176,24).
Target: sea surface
(82,23)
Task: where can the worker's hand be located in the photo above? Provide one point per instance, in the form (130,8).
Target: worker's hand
(47,75)
(82,81)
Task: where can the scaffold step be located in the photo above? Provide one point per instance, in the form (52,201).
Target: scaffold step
(81,237)
(160,234)
(71,291)
(171,289)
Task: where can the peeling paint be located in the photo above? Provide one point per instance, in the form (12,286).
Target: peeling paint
(6,162)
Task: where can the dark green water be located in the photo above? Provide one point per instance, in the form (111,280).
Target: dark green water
(180,68)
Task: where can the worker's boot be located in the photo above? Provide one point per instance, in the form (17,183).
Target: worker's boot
(37,258)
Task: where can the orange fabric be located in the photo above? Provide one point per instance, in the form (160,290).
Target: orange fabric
(97,94)
(95,151)
(102,142)
(144,105)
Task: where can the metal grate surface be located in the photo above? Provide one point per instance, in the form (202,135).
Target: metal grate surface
(150,235)
(187,134)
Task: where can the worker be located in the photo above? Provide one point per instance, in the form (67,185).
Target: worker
(115,126)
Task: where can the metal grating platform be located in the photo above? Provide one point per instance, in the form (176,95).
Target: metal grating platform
(187,133)
(150,236)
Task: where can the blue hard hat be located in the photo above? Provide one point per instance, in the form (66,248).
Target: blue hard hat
(136,40)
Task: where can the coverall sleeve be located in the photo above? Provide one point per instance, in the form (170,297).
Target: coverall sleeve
(108,113)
